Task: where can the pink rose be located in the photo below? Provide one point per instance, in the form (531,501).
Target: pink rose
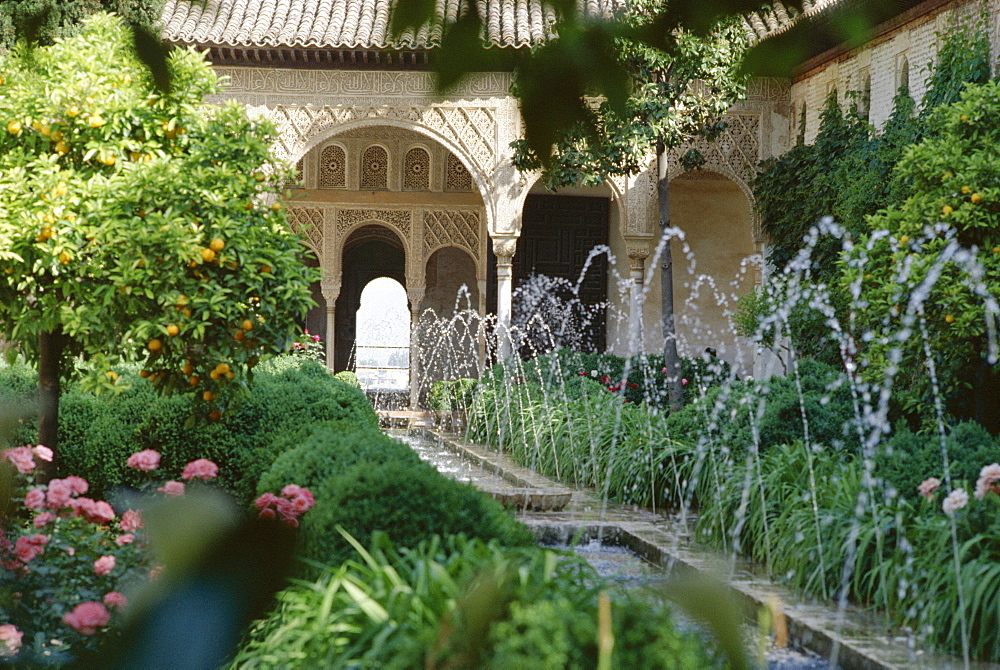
(201,469)
(43,452)
(955,501)
(988,476)
(59,493)
(122,540)
(286,508)
(10,637)
(266,500)
(34,499)
(290,521)
(147,459)
(115,599)
(104,565)
(43,519)
(928,487)
(131,520)
(29,546)
(82,506)
(22,459)
(78,485)
(101,513)
(172,488)
(302,498)
(87,617)
(267,513)
(684,382)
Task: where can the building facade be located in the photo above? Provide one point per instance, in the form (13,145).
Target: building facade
(396,181)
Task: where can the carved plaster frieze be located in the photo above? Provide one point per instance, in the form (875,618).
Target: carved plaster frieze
(451,227)
(396,218)
(472,131)
(348,83)
(308,222)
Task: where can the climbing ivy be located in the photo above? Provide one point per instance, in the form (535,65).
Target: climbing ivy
(849,173)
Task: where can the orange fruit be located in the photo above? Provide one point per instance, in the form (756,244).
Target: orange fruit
(265,268)
(172,330)
(247,324)
(208,396)
(214,374)
(276,206)
(230,376)
(975,198)
(95,121)
(217,244)
(73,111)
(154,345)
(187,369)
(181,300)
(193,380)
(187,312)
(965,190)
(946,210)
(996,250)
(215,415)
(239,336)
(904,239)
(144,373)
(61,189)
(108,160)
(64,257)
(223,368)
(949,319)
(112,375)
(14,127)
(62,148)
(207,255)
(964,118)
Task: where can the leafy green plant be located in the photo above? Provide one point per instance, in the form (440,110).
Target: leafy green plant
(452,396)
(457,602)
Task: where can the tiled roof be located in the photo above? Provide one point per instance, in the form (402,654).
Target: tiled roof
(768,23)
(351,24)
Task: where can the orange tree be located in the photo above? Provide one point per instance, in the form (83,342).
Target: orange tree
(138,225)
(930,266)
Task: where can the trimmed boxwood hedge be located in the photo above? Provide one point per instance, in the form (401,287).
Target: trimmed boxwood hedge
(288,397)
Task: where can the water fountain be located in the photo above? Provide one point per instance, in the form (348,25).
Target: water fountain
(875,550)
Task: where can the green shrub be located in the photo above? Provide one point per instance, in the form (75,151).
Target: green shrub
(908,458)
(18,403)
(349,378)
(408,502)
(329,449)
(288,395)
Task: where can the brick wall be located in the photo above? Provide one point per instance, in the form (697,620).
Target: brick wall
(882,62)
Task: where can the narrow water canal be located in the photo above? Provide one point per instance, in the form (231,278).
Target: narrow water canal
(618,565)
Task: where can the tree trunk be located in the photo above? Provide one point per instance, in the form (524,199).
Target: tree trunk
(50,351)
(671,360)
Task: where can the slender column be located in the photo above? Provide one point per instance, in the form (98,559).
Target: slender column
(330,298)
(414,295)
(637,270)
(504,248)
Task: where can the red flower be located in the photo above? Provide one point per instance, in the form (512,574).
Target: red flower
(29,546)
(131,520)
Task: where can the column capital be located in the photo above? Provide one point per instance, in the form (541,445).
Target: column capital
(637,255)
(504,247)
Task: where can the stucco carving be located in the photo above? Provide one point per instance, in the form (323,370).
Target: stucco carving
(451,227)
(268,81)
(504,247)
(397,218)
(308,222)
(737,148)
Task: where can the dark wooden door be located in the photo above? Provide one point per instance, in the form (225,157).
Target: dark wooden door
(558,233)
